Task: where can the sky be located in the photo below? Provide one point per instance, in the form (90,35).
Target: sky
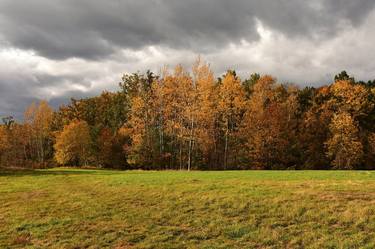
(55,50)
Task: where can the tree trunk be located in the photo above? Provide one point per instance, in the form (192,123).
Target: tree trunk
(190,143)
(226,148)
(180,156)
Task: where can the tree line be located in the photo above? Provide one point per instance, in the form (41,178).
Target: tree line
(188,119)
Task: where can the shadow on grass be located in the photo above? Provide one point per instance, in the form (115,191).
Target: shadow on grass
(57,172)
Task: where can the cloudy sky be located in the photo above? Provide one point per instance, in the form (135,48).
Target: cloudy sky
(57,49)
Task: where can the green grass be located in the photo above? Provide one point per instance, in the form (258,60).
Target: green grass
(65,208)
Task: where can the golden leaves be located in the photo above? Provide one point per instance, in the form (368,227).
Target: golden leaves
(344,145)
(73,143)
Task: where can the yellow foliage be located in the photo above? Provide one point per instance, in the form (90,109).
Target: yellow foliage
(205,108)
(352,98)
(73,144)
(344,145)
(38,119)
(4,142)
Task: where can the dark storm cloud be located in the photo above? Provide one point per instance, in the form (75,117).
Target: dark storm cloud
(19,91)
(15,94)
(93,29)
(58,49)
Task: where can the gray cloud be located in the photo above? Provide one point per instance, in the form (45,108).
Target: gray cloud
(92,29)
(17,91)
(74,48)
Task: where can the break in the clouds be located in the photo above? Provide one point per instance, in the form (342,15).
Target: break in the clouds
(59,49)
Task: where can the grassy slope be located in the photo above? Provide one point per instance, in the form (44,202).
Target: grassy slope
(66,208)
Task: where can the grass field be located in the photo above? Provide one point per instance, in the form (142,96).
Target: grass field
(65,208)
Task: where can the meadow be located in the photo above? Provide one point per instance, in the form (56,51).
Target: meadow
(72,208)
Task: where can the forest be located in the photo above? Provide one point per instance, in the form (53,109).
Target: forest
(187,119)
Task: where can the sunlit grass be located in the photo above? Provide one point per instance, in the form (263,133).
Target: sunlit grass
(65,208)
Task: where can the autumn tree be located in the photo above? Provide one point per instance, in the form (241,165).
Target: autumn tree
(175,98)
(344,146)
(316,112)
(38,120)
(206,135)
(109,151)
(73,144)
(230,104)
(4,142)
(141,127)
(104,144)
(137,129)
(270,124)
(351,98)
(13,145)
(254,128)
